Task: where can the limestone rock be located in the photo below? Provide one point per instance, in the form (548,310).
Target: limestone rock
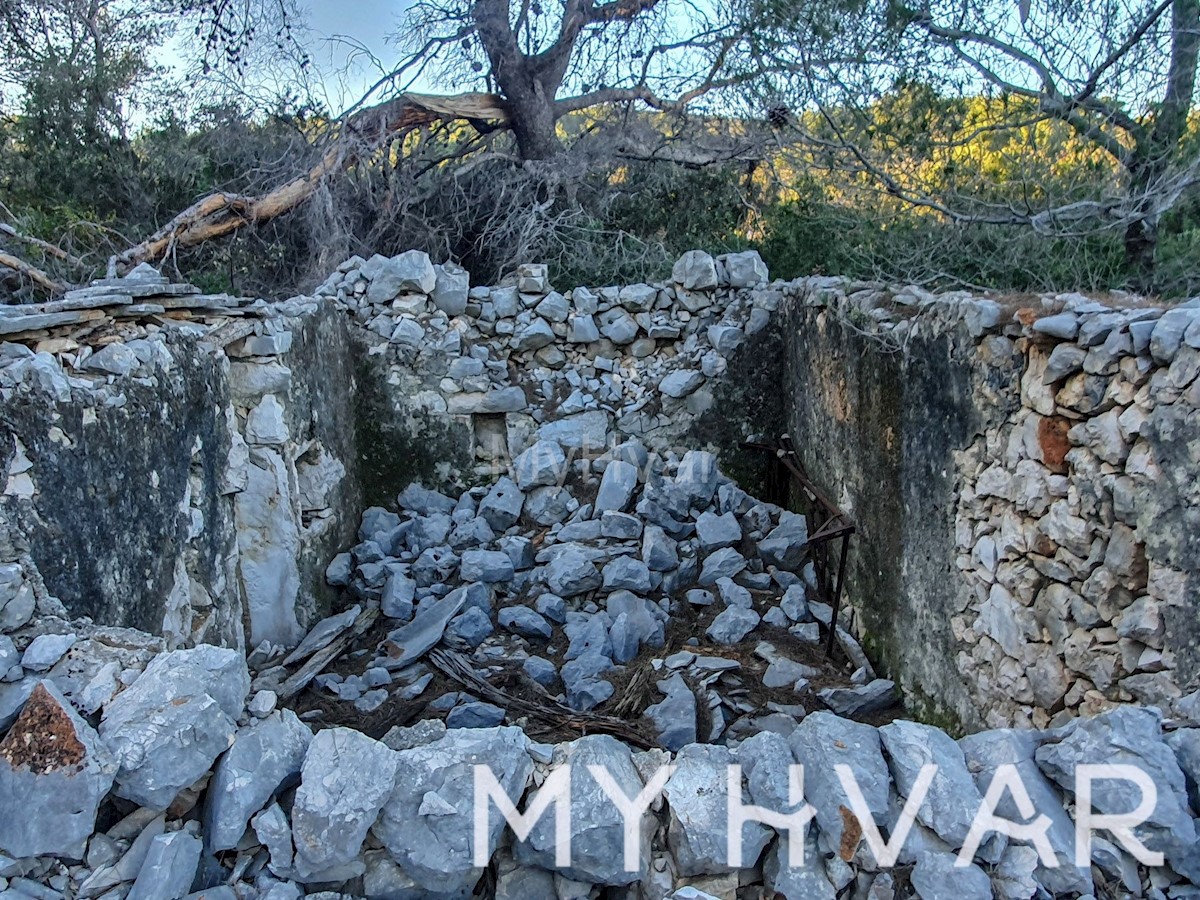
(674,717)
(264,754)
(953,799)
(823,741)
(543,463)
(344,782)
(427,821)
(698,833)
(695,271)
(409,273)
(54,773)
(169,869)
(597,827)
(168,727)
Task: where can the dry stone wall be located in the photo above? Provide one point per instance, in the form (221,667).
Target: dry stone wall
(463,379)
(186,476)
(1024,475)
(188,464)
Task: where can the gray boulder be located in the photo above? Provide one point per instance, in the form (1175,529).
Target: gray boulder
(698,833)
(581,329)
(533,278)
(597,827)
(541,670)
(476,714)
(525,622)
(659,552)
(344,782)
(627,573)
(621,526)
(1169,332)
(617,485)
(263,756)
(953,799)
(450,288)
(636,622)
(472,627)
(582,431)
(410,642)
(681,383)
(1132,736)
(554,307)
(787,544)
(745,269)
(733,624)
(717,532)
(674,718)
(54,773)
(115,359)
(487,566)
(584,687)
(409,273)
(695,271)
(548,506)
(985,752)
(427,821)
(571,572)
(169,726)
(1065,359)
(861,700)
(806,882)
(377,522)
(169,868)
(1064,326)
(725,563)
(45,650)
(424,501)
(725,338)
(936,877)
(399,592)
(1186,744)
(543,463)
(821,742)
(588,634)
(502,506)
(697,477)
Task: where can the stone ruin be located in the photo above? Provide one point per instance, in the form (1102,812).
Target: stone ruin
(275,577)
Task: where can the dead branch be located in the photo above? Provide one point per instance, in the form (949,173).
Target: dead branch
(357,137)
(34,274)
(44,246)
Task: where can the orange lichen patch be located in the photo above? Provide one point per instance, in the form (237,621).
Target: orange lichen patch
(43,737)
(1026,316)
(851,834)
(1052,438)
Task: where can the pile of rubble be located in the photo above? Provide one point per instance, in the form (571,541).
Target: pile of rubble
(575,574)
(147,774)
(624,606)
(186,780)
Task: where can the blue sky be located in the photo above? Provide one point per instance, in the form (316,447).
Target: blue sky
(339,30)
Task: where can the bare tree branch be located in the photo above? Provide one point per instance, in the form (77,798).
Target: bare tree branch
(44,246)
(223,213)
(34,274)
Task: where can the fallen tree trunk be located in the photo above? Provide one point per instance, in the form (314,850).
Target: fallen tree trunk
(34,274)
(361,134)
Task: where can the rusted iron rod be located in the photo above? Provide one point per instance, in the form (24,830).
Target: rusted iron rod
(831,523)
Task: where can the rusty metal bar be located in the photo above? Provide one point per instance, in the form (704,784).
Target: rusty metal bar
(831,524)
